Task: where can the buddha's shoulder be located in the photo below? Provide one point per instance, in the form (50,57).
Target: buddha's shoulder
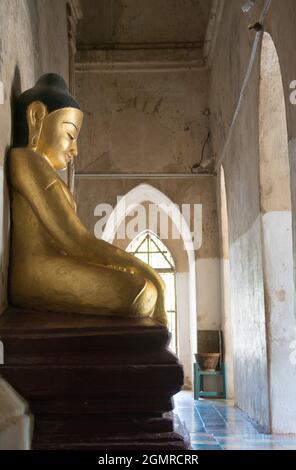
(29,169)
(24,158)
(18,154)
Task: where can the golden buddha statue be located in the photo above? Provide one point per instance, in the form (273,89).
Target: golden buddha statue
(56,264)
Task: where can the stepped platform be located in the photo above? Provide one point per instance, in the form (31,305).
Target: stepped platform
(94,382)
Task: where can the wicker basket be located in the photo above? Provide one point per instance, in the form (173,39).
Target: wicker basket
(208,361)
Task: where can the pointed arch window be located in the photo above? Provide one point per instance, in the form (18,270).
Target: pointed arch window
(150,249)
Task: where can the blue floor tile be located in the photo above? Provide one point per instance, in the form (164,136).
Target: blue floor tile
(205,447)
(218,425)
(207,438)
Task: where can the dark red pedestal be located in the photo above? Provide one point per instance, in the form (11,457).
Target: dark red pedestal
(94,382)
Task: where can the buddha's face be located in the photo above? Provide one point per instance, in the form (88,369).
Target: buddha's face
(56,132)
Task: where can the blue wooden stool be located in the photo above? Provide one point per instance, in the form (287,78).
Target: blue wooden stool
(199,382)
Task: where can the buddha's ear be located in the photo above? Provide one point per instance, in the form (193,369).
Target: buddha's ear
(36,113)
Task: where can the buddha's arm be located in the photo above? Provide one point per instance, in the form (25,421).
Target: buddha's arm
(32,176)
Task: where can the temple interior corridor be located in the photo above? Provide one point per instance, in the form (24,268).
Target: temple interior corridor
(186,160)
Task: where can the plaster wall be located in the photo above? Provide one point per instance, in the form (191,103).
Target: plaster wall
(241,165)
(277,239)
(279,299)
(152,121)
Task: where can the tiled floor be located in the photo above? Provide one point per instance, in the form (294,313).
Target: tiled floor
(218,425)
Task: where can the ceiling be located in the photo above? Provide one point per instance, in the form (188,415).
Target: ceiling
(143,23)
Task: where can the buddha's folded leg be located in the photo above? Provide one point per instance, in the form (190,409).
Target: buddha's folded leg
(68,285)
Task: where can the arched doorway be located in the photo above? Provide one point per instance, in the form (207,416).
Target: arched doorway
(275,200)
(150,249)
(183,252)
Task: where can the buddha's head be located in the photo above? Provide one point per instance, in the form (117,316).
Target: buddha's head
(48,120)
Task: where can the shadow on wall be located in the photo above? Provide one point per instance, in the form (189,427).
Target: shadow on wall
(5,213)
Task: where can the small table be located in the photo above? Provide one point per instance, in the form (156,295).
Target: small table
(199,382)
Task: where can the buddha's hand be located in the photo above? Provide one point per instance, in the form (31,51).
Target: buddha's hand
(133,265)
(159,313)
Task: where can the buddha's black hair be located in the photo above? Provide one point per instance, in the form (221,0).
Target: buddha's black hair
(52,91)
